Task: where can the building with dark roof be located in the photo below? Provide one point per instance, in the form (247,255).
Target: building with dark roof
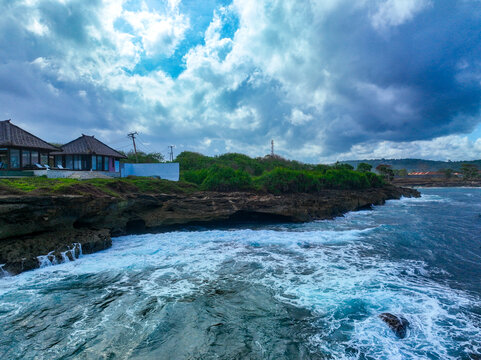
(21,150)
(88,153)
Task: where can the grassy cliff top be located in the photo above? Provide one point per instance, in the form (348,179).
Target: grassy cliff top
(228,172)
(97,187)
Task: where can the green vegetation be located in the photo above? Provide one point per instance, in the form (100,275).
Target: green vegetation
(469,171)
(97,187)
(273,174)
(142,157)
(228,172)
(386,172)
(448,173)
(363,167)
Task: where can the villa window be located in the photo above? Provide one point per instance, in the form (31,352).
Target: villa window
(25,158)
(44,159)
(14,158)
(99,163)
(58,160)
(69,161)
(3,158)
(34,157)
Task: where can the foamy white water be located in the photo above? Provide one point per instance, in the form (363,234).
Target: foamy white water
(264,292)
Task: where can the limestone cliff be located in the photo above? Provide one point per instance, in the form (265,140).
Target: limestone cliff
(59,226)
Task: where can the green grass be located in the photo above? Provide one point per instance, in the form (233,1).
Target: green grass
(96,187)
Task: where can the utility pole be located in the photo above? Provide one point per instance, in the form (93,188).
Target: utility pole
(171,154)
(272,147)
(132,136)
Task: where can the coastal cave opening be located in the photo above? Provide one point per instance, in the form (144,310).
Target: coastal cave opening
(135,226)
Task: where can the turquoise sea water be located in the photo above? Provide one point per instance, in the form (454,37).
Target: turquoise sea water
(284,291)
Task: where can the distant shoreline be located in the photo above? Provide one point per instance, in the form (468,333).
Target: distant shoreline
(435,182)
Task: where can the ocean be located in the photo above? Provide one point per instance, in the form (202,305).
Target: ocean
(265,291)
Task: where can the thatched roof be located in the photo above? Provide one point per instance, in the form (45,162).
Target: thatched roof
(12,135)
(88,145)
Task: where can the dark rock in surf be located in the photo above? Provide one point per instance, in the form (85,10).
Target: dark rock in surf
(398,324)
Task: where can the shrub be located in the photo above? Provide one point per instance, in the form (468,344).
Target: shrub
(280,180)
(195,176)
(374,180)
(226,179)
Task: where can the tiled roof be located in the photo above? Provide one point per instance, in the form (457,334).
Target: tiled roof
(88,145)
(12,135)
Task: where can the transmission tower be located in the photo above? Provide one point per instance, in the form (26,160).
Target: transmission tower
(272,147)
(171,153)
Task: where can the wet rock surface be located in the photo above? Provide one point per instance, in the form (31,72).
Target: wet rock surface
(398,324)
(32,226)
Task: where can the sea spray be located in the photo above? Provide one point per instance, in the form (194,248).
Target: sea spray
(71,254)
(3,272)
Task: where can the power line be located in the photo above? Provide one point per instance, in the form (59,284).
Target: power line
(148,147)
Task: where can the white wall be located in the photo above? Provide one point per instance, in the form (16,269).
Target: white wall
(168,171)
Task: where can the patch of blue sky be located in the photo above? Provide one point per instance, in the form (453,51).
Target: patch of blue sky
(476,134)
(230,24)
(200,14)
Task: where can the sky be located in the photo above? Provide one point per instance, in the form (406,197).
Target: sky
(327,80)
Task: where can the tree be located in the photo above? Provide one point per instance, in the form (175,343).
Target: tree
(364,167)
(143,157)
(469,171)
(385,171)
(342,166)
(448,173)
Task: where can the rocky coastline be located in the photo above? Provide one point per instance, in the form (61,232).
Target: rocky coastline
(36,229)
(436,182)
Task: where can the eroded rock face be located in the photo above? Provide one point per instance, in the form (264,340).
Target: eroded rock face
(32,226)
(31,252)
(397,323)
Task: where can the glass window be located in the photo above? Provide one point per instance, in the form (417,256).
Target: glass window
(77,162)
(34,157)
(25,158)
(99,163)
(14,158)
(84,160)
(69,162)
(58,160)
(94,162)
(106,163)
(44,159)
(3,158)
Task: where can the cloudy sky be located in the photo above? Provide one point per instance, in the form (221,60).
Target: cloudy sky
(326,79)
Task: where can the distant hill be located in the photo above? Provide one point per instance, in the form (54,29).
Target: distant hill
(415,164)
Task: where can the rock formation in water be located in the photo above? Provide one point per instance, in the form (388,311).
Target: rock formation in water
(397,324)
(33,226)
